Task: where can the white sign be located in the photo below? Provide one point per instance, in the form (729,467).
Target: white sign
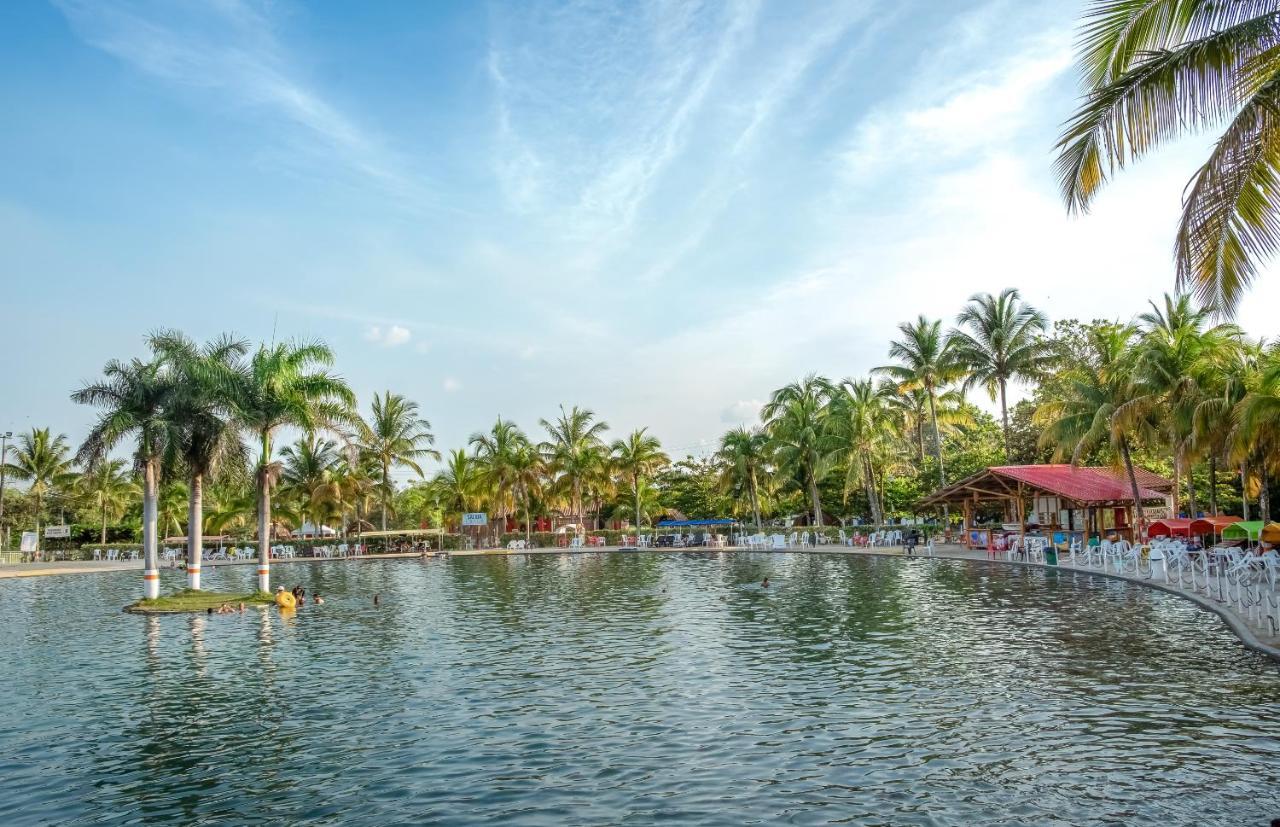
(475,518)
(52,532)
(29,539)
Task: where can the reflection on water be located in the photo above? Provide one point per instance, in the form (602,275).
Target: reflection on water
(636,688)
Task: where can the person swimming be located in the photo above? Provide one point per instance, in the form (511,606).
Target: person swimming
(225,609)
(375,599)
(764,584)
(317,599)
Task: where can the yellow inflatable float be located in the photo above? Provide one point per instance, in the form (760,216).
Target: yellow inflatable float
(284,599)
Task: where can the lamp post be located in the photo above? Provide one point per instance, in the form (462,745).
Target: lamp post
(4,456)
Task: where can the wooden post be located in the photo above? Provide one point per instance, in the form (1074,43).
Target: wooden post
(1022,522)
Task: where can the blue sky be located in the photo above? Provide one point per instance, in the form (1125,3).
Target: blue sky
(658,210)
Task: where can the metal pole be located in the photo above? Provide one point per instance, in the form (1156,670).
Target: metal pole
(4,456)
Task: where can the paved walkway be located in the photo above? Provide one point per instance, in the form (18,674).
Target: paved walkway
(1260,637)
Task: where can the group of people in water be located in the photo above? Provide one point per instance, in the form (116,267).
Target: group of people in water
(295,598)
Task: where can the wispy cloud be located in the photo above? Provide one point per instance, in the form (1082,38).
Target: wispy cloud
(392,336)
(229,49)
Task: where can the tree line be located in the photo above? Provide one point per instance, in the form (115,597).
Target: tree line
(1174,390)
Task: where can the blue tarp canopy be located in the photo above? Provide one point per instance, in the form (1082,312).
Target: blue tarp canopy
(682,523)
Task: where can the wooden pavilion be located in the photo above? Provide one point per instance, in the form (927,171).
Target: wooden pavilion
(1061,497)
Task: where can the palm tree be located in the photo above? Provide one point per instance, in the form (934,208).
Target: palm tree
(207,440)
(397,437)
(306,468)
(284,384)
(638,456)
(1257,433)
(1095,408)
(1179,358)
(460,483)
(495,451)
(1156,70)
(927,362)
(526,467)
(861,426)
(744,457)
(573,451)
(793,418)
(133,396)
(108,488)
(997,342)
(41,460)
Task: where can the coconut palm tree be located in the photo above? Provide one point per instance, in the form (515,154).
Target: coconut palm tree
(285,385)
(207,439)
(1156,70)
(396,437)
(744,459)
(1095,408)
(1180,356)
(861,426)
(108,488)
(42,461)
(794,420)
(638,457)
(927,362)
(460,483)
(998,342)
(1256,436)
(526,468)
(573,451)
(133,396)
(495,451)
(306,468)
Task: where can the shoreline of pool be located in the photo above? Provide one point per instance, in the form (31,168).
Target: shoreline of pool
(1254,639)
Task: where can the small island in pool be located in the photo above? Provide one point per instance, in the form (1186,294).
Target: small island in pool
(191,600)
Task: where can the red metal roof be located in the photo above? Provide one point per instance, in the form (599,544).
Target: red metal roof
(1212,525)
(1175,526)
(1086,485)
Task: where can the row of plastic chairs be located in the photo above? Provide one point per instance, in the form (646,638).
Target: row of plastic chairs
(114,554)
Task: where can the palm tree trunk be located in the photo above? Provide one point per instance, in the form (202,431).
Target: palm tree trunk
(104,524)
(1244,491)
(920,440)
(528,527)
(195,530)
(1191,490)
(636,481)
(386,483)
(755,501)
(1177,486)
(1213,485)
(1264,496)
(577,505)
(937,441)
(150,557)
(1004,419)
(264,516)
(817,502)
(39,512)
(1139,517)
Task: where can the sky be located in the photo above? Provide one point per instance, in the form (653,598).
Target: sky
(661,211)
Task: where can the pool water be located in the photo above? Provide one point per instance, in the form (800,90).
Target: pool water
(636,688)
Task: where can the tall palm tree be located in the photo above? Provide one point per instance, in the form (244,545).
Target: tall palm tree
(927,362)
(306,469)
(285,384)
(997,342)
(744,459)
(861,425)
(459,483)
(526,467)
(133,396)
(1156,70)
(495,451)
(207,439)
(638,457)
(1095,408)
(43,461)
(397,437)
(1179,357)
(108,488)
(793,418)
(1257,433)
(573,451)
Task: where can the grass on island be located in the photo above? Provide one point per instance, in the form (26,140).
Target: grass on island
(191,600)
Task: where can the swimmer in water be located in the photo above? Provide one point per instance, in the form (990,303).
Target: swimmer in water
(317,599)
(375,599)
(764,584)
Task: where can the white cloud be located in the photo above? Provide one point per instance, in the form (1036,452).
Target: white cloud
(451,384)
(390,336)
(744,411)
